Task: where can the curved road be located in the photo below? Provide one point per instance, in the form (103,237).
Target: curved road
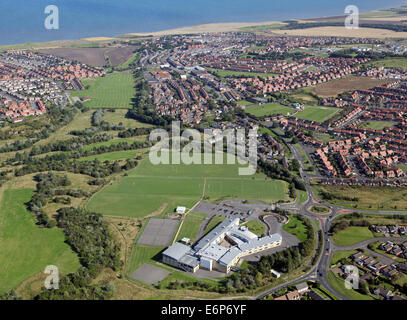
(319,270)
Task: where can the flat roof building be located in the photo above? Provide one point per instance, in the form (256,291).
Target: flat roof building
(220,249)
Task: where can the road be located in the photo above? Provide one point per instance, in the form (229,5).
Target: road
(319,271)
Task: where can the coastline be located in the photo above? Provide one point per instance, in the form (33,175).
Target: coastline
(202,28)
(232,27)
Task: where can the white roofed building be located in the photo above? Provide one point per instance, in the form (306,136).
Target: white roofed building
(221,249)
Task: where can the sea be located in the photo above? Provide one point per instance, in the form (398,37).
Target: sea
(22,21)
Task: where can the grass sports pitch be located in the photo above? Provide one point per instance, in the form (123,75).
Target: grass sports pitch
(148,187)
(112,91)
(319,114)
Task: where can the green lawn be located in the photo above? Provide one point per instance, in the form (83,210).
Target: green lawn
(256,227)
(143,254)
(25,248)
(303,196)
(246,189)
(352,235)
(191,225)
(320,210)
(339,285)
(377,125)
(148,187)
(296,227)
(319,114)
(269,109)
(112,91)
(337,256)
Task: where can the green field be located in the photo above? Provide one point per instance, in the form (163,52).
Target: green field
(368,198)
(339,285)
(297,228)
(269,109)
(119,117)
(337,256)
(117,155)
(324,137)
(126,64)
(143,254)
(151,255)
(229,73)
(191,225)
(377,125)
(25,248)
(319,114)
(112,142)
(265,26)
(352,235)
(256,227)
(391,63)
(112,91)
(148,187)
(320,210)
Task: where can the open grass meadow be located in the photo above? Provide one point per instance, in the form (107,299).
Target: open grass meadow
(148,187)
(25,248)
(391,63)
(368,198)
(377,125)
(119,116)
(352,235)
(117,155)
(269,109)
(112,91)
(319,114)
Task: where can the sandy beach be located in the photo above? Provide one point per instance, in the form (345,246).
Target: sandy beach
(211,27)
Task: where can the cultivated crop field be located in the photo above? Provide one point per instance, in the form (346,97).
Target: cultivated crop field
(148,187)
(92,56)
(26,249)
(351,83)
(112,91)
(319,114)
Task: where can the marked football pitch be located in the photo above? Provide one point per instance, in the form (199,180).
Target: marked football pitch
(148,186)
